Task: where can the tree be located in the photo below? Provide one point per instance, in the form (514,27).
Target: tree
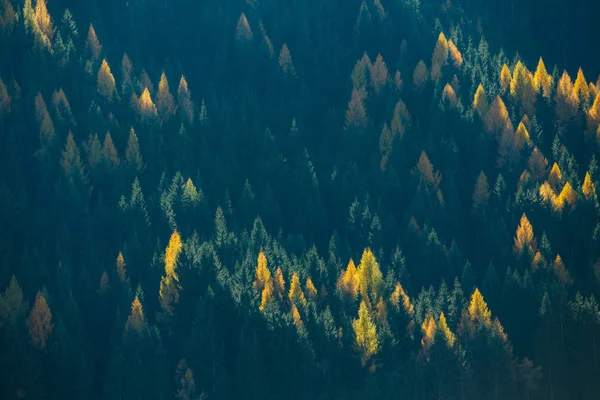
(47,133)
(120,266)
(71,162)
(399,295)
(542,80)
(146,109)
(365,334)
(92,44)
(263,275)
(133,156)
(348,282)
(295,294)
(106,85)
(420,75)
(588,189)
(478,310)
(481,193)
(186,385)
(505,78)
(62,107)
(285,61)
(5,100)
(447,333)
(555,177)
(455,55)
(136,320)
(185,104)
(279,284)
(11,304)
(7,18)
(43,19)
(379,74)
(449,96)
(370,277)
(243,32)
(537,164)
(497,119)
(169,283)
(126,79)
(581,88)
(165,104)
(522,137)
(39,322)
(522,89)
(525,238)
(356,115)
(566,98)
(561,272)
(310,290)
(440,53)
(480,101)
(426,171)
(110,155)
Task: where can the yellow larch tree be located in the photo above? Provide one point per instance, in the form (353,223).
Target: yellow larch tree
(370,277)
(165,104)
(449,96)
(440,53)
(537,164)
(145,106)
(436,72)
(169,283)
(105,84)
(555,177)
(92,44)
(593,115)
(588,189)
(399,295)
(266,296)
(109,152)
(428,328)
(296,318)
(243,32)
(496,119)
(522,137)
(455,54)
(420,75)
(356,115)
(505,78)
(381,309)
(379,74)
(561,271)
(481,193)
(426,171)
(581,88)
(39,322)
(524,238)
(43,19)
(7,17)
(446,332)
(310,290)
(295,294)
(567,100)
(133,156)
(547,193)
(522,89)
(263,275)
(279,284)
(121,271)
(185,104)
(480,101)
(542,80)
(136,320)
(567,196)
(478,310)
(348,282)
(365,334)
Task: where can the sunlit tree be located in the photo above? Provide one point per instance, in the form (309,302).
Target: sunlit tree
(561,272)
(537,164)
(365,334)
(40,322)
(356,115)
(295,294)
(285,61)
(566,98)
(133,156)
(449,96)
(479,311)
(480,101)
(169,283)
(185,104)
(165,105)
(243,32)
(505,78)
(455,54)
(92,44)
(420,75)
(542,80)
(348,282)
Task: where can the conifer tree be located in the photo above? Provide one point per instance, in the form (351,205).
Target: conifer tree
(440,53)
(310,290)
(71,162)
(400,298)
(522,89)
(365,334)
(120,267)
(426,171)
(379,74)
(555,177)
(566,98)
(356,115)
(279,284)
(126,79)
(449,96)
(537,164)
(505,78)
(106,85)
(588,189)
(169,283)
(243,32)
(480,101)
(165,104)
(11,304)
(581,88)
(370,277)
(285,61)
(525,238)
(5,100)
(39,322)
(136,320)
(561,271)
(110,155)
(481,193)
(7,17)
(147,111)
(92,44)
(420,75)
(455,54)
(133,156)
(348,282)
(43,19)
(497,119)
(185,104)
(448,335)
(295,294)
(542,80)
(478,310)
(522,137)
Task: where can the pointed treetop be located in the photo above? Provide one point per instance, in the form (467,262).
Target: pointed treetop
(136,319)
(505,78)
(480,101)
(478,310)
(92,44)
(40,322)
(243,32)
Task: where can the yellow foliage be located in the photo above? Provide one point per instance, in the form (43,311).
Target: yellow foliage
(172,254)
(92,44)
(555,176)
(593,114)
(436,72)
(525,238)
(267,295)
(581,88)
(567,100)
(121,272)
(165,104)
(448,335)
(480,101)
(263,275)
(381,310)
(428,328)
(522,88)
(478,309)
(7,17)
(146,108)
(279,283)
(542,80)
(370,277)
(295,294)
(537,164)
(365,334)
(43,19)
(420,75)
(522,136)
(106,82)
(109,151)
(184,101)
(348,282)
(561,271)
(169,287)
(40,322)
(588,189)
(296,317)
(496,119)
(546,193)
(400,295)
(566,196)
(505,78)
(426,171)
(310,290)
(538,261)
(136,319)
(455,54)
(242,30)
(440,53)
(449,96)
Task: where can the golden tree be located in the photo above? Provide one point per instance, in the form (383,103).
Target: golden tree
(133,156)
(425,168)
(43,19)
(184,101)
(547,193)
(542,80)
(121,272)
(348,282)
(92,44)
(263,275)
(567,196)
(7,17)
(505,78)
(446,332)
(588,189)
(478,310)
(455,55)
(538,165)
(136,320)
(525,238)
(295,294)
(165,104)
(310,290)
(449,96)
(420,75)
(365,334)
(243,32)
(146,108)
(40,322)
(71,161)
(279,283)
(481,193)
(94,150)
(109,151)
(496,119)
(522,136)
(555,177)
(522,89)
(356,115)
(480,101)
(566,98)
(400,295)
(440,53)
(379,74)
(169,283)
(285,61)
(296,317)
(105,85)
(581,88)
(370,277)
(428,327)
(266,295)
(561,271)
(593,114)
(62,107)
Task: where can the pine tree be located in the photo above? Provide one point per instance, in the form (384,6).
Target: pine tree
(497,119)
(542,80)
(455,55)
(169,283)
(440,53)
(12,306)
(399,295)
(480,101)
(165,104)
(481,193)
(588,189)
(43,19)
(39,322)
(126,79)
(147,111)
(478,310)
(5,100)
(522,89)
(555,177)
(537,164)
(7,17)
(505,78)
(263,275)
(285,61)
(71,162)
(581,88)
(370,277)
(567,101)
(186,385)
(525,238)
(106,85)
(120,267)
(448,335)
(420,75)
(449,96)
(348,282)
(136,320)
(522,137)
(310,290)
(356,115)
(379,74)
(365,334)
(110,155)
(243,32)
(92,44)
(279,284)
(133,157)
(426,171)
(185,104)
(295,294)
(561,271)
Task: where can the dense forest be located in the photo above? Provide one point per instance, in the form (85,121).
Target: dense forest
(323,199)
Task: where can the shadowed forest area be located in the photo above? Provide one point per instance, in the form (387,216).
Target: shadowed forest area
(323,199)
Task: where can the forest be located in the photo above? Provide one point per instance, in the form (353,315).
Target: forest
(323,199)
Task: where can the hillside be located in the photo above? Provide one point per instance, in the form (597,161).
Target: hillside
(321,199)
